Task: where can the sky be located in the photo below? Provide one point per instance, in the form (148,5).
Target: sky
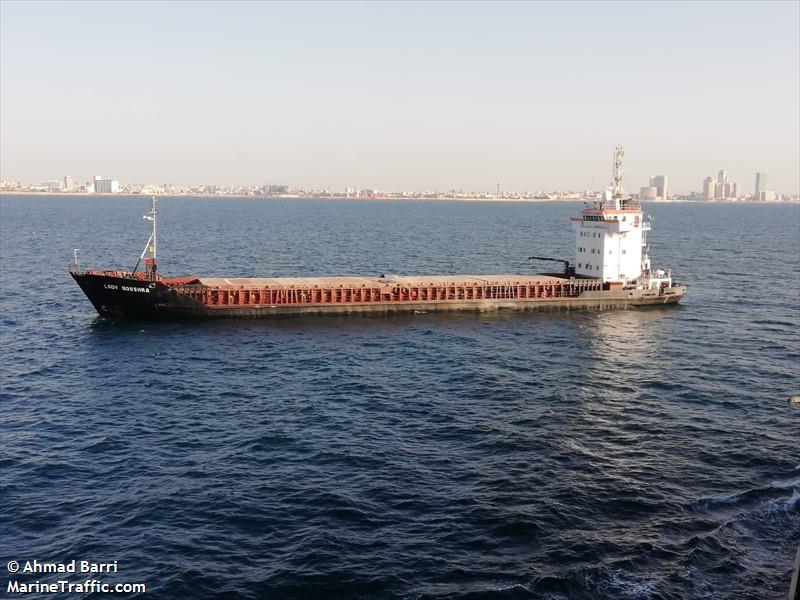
(401,96)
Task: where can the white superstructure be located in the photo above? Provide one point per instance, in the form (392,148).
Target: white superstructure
(611,240)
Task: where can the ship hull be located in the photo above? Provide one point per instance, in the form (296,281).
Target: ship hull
(123,297)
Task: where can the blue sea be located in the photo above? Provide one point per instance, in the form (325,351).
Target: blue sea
(645,454)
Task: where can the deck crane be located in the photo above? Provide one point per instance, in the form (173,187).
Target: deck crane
(569,271)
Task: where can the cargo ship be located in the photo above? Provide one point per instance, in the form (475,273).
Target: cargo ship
(611,271)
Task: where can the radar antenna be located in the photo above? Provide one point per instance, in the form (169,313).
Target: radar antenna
(616,190)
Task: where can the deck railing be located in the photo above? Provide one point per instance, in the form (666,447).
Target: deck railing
(229,296)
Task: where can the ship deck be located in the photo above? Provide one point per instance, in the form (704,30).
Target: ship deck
(226,292)
(355,282)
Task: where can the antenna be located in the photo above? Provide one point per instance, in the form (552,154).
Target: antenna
(155,242)
(151,262)
(150,247)
(75,254)
(616,190)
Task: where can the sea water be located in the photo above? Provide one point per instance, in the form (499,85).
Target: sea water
(621,454)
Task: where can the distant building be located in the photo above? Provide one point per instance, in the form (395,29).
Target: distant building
(51,186)
(767,196)
(661,183)
(648,193)
(727,190)
(761,185)
(69,184)
(722,188)
(709,188)
(105,185)
(10,185)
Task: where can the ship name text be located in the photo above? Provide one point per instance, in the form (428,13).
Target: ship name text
(126,288)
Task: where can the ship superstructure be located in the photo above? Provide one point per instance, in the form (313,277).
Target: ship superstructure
(611,239)
(613,271)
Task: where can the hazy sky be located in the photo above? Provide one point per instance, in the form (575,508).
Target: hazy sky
(401,96)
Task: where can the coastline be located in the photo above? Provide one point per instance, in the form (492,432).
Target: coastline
(340,198)
(288,197)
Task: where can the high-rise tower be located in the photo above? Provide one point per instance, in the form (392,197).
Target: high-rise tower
(709,188)
(661,183)
(761,185)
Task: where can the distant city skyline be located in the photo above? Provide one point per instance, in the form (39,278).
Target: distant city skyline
(400,96)
(718,188)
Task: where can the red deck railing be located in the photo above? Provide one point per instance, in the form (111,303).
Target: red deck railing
(227,297)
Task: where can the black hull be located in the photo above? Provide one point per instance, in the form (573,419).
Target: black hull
(120,297)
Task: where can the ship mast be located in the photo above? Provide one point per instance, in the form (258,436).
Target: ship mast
(151,262)
(150,247)
(155,246)
(616,190)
